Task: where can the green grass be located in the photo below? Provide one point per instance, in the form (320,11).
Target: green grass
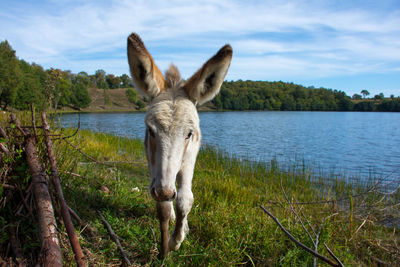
(227,226)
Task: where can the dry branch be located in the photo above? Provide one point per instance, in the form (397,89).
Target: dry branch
(3,133)
(74,174)
(18,124)
(5,149)
(115,239)
(50,245)
(73,238)
(298,243)
(87,156)
(85,227)
(33,118)
(296,214)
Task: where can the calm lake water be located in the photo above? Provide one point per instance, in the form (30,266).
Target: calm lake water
(349,143)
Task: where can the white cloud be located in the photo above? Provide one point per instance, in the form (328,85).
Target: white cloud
(286,39)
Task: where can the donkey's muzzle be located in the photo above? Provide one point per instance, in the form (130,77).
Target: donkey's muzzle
(163,193)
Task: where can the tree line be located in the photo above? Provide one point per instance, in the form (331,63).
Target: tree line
(262,95)
(22,83)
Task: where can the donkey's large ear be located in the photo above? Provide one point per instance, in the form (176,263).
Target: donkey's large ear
(145,74)
(204,85)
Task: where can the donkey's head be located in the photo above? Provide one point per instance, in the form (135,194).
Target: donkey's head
(172,123)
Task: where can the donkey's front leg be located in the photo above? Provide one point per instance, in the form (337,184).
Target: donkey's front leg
(184,202)
(164,214)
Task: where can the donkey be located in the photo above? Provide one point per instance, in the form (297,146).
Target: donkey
(173,131)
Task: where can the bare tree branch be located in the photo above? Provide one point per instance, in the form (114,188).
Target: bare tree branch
(87,156)
(3,133)
(18,124)
(47,223)
(115,239)
(5,149)
(295,213)
(73,238)
(298,243)
(333,255)
(33,118)
(318,235)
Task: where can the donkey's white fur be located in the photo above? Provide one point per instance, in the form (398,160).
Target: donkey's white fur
(173,130)
(171,117)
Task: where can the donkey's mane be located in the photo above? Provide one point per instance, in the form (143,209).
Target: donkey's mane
(172,76)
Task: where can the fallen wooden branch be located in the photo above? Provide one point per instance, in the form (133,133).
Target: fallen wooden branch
(297,215)
(76,131)
(74,174)
(73,238)
(5,149)
(115,239)
(298,243)
(86,227)
(50,245)
(86,155)
(33,118)
(3,133)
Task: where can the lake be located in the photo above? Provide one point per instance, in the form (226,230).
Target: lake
(359,144)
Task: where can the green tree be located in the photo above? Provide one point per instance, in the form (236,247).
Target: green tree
(113,81)
(126,81)
(364,93)
(62,93)
(10,75)
(140,104)
(132,95)
(100,79)
(379,97)
(356,97)
(31,90)
(50,92)
(80,96)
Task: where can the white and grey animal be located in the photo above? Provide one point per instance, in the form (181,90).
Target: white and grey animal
(173,131)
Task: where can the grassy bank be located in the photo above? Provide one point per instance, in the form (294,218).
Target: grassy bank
(227,227)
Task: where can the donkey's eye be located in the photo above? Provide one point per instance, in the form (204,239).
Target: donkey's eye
(151,132)
(188,135)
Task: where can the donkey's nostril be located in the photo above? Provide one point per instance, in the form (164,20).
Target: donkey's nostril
(174,196)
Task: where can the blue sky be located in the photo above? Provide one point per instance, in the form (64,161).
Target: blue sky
(345,45)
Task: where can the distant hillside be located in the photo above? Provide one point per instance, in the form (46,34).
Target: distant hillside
(114,99)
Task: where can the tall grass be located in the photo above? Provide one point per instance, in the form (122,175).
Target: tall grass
(227,227)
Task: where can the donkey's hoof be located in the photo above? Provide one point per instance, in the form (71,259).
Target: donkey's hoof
(174,244)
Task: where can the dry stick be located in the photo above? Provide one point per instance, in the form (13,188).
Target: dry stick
(5,149)
(74,174)
(295,213)
(77,129)
(73,238)
(81,223)
(24,201)
(87,156)
(333,255)
(33,118)
(18,124)
(50,244)
(115,239)
(3,133)
(319,233)
(325,259)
